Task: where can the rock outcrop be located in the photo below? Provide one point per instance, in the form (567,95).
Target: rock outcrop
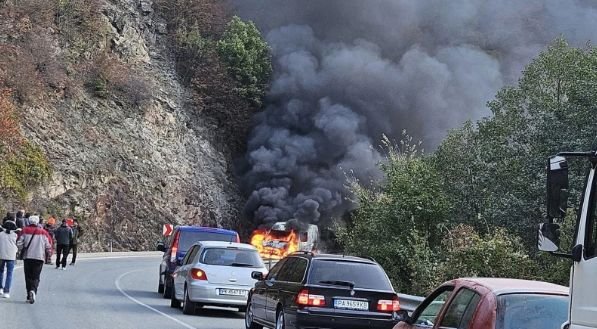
(126,170)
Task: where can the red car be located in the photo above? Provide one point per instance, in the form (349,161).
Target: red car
(491,304)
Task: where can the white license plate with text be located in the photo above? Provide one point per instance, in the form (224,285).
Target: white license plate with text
(351,304)
(233,292)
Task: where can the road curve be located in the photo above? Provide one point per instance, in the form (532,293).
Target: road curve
(104,293)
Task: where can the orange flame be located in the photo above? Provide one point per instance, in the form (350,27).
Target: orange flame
(275,245)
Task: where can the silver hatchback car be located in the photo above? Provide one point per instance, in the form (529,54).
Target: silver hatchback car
(215,273)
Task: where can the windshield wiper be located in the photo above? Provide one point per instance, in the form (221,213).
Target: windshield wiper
(242,265)
(339,283)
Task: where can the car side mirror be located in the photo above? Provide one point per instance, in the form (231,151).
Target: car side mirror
(548,237)
(402,316)
(557,187)
(256,275)
(161,247)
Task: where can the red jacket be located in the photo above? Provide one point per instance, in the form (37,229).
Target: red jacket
(41,244)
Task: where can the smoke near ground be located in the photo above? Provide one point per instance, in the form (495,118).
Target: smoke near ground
(349,71)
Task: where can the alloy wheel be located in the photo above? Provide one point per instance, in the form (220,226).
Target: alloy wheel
(249,316)
(280,321)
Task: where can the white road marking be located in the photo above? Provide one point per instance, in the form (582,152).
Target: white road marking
(117,283)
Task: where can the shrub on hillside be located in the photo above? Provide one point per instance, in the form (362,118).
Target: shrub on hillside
(497,254)
(22,170)
(191,51)
(19,74)
(108,77)
(247,57)
(10,134)
(81,27)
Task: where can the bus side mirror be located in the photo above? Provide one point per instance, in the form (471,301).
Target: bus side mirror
(557,187)
(548,237)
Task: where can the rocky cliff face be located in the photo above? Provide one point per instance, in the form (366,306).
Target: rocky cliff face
(126,170)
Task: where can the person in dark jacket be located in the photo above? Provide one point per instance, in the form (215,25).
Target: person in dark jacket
(9,216)
(77,233)
(26,219)
(19,220)
(63,236)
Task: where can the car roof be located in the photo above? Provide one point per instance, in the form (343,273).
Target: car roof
(205,229)
(224,244)
(503,286)
(339,257)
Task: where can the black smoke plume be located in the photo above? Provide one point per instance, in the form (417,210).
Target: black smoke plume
(349,71)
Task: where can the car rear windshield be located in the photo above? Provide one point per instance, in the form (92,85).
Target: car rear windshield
(188,238)
(279,234)
(532,311)
(231,257)
(362,275)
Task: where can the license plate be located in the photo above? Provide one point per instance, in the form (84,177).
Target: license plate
(233,292)
(351,304)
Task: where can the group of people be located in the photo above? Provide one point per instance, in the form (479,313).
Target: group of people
(25,236)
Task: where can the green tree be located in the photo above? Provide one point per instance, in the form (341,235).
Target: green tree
(247,57)
(497,166)
(399,223)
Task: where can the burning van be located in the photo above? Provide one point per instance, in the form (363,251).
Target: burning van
(281,240)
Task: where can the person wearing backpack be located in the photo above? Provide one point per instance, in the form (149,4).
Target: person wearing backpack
(63,236)
(33,245)
(8,254)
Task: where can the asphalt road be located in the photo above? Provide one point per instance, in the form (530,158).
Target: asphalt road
(104,293)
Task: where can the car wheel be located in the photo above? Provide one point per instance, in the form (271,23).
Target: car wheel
(168,288)
(280,324)
(174,303)
(249,324)
(188,307)
(160,284)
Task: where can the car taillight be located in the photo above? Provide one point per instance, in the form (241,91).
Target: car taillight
(237,238)
(304,298)
(174,248)
(198,274)
(386,305)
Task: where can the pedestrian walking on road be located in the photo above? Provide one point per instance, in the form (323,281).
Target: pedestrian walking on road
(9,216)
(19,220)
(26,219)
(8,255)
(33,245)
(77,233)
(63,235)
(49,227)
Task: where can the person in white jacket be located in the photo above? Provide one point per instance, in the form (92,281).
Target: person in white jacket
(8,255)
(34,243)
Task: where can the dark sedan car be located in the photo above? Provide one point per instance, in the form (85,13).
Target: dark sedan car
(305,291)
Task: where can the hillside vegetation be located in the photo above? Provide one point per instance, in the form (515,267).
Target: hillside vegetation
(472,207)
